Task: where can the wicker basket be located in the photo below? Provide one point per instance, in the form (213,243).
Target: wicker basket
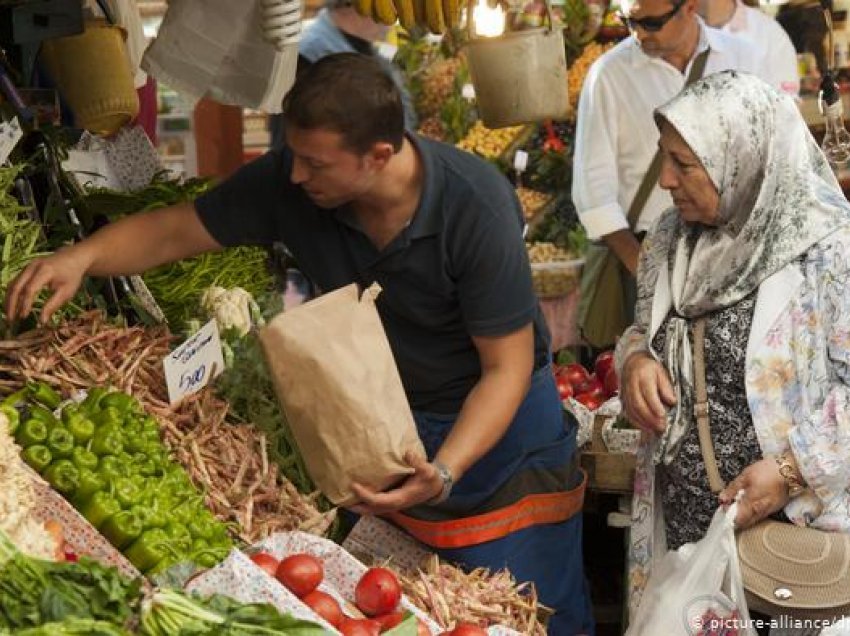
(93,74)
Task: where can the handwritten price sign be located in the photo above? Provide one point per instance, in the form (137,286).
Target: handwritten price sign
(191,366)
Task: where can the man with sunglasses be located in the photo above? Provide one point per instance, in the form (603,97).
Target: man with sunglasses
(616,137)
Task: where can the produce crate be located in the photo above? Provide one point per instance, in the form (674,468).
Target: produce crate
(556,278)
(239,578)
(606,471)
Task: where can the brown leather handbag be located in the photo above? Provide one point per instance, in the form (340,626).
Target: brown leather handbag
(788,570)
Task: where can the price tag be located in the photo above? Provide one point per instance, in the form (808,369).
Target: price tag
(520,160)
(468,92)
(191,366)
(10,135)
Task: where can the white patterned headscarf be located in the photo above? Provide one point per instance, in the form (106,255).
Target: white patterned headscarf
(778,197)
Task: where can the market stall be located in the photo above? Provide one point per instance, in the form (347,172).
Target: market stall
(137,507)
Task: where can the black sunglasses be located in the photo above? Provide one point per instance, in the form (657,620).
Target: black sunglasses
(652,23)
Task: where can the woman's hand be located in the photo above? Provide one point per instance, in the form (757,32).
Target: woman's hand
(420,487)
(646,392)
(765,492)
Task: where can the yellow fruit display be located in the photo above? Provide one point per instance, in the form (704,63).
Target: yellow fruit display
(434,15)
(578,70)
(490,143)
(531,201)
(384,12)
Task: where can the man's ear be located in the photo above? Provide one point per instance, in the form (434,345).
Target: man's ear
(381,153)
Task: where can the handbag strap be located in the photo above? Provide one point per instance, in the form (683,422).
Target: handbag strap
(715,482)
(650,178)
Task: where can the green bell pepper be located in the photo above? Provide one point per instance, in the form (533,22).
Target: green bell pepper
(202,524)
(81,427)
(151,516)
(120,401)
(210,557)
(122,528)
(89,484)
(111,468)
(38,412)
(13,417)
(44,394)
(99,507)
(38,457)
(108,417)
(60,442)
(148,550)
(18,398)
(92,400)
(178,536)
(144,465)
(63,476)
(84,458)
(150,426)
(126,492)
(107,443)
(31,432)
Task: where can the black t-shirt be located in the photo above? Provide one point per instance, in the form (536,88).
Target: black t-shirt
(459,269)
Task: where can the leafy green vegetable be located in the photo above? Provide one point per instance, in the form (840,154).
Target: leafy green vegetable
(71,627)
(34,592)
(170,613)
(160,193)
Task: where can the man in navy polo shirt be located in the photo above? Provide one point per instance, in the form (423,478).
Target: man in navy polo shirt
(355,199)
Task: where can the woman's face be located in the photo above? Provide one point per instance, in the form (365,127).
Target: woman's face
(693,191)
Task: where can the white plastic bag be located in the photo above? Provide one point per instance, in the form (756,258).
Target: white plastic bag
(697,590)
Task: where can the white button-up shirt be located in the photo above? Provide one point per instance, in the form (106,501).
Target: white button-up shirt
(770,39)
(616,135)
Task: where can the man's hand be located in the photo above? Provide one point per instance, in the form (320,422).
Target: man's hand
(765,492)
(62,273)
(646,392)
(420,487)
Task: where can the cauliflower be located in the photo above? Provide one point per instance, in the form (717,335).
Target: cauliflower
(18,501)
(231,308)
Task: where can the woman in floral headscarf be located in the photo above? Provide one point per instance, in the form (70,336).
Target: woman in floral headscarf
(758,244)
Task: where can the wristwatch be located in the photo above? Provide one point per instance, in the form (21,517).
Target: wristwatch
(792,478)
(448,481)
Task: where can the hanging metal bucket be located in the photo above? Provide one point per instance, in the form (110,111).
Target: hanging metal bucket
(519,77)
(92,72)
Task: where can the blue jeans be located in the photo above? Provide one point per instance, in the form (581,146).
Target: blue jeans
(549,555)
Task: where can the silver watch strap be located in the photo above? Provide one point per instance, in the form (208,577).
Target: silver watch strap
(448,481)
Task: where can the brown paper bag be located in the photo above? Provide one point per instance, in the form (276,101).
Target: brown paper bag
(337,381)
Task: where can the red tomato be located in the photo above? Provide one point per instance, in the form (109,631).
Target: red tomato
(300,573)
(324,605)
(377,592)
(388,621)
(359,627)
(265,561)
(603,364)
(612,383)
(573,373)
(565,389)
(592,402)
(468,629)
(591,385)
(69,555)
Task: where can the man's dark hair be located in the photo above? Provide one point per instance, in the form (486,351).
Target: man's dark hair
(351,94)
